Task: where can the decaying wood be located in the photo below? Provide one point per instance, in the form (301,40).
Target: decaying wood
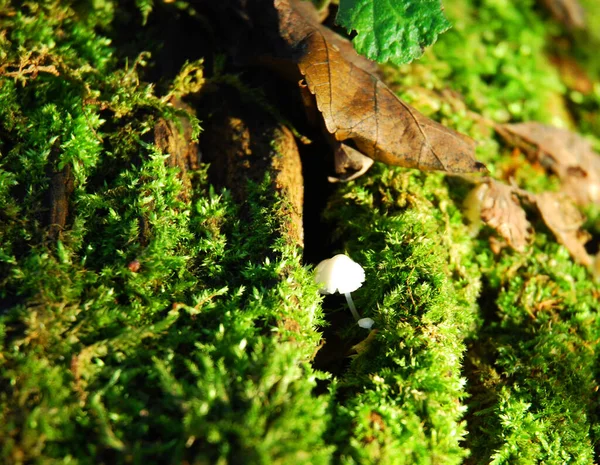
(62,184)
(175,139)
(243,147)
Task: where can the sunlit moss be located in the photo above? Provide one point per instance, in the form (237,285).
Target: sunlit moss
(402,398)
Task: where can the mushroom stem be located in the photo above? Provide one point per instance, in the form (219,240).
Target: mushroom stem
(352,307)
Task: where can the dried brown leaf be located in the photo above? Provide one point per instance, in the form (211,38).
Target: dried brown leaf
(501,210)
(314,17)
(565,153)
(359,109)
(498,205)
(564,220)
(349,164)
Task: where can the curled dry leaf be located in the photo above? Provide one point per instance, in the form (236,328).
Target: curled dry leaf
(349,163)
(362,112)
(501,210)
(498,206)
(565,153)
(314,18)
(564,220)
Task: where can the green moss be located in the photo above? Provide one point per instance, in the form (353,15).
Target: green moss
(203,354)
(494,55)
(531,364)
(215,365)
(402,396)
(537,367)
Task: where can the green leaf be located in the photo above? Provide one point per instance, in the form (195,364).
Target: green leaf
(393,30)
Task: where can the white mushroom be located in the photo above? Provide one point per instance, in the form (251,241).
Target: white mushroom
(340,274)
(366,323)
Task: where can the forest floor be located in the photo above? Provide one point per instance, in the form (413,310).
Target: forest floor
(162,212)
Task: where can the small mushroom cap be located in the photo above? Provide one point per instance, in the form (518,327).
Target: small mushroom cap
(366,323)
(339,274)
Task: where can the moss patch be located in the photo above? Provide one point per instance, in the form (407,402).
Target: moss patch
(156,318)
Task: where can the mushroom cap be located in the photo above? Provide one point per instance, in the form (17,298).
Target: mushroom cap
(366,323)
(339,274)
